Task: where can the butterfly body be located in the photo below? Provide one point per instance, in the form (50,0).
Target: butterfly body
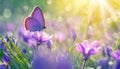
(36,21)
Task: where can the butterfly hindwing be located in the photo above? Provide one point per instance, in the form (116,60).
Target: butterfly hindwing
(32,24)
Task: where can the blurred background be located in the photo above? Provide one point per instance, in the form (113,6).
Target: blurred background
(89,19)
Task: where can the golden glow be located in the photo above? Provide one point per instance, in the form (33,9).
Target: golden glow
(94,11)
(99,10)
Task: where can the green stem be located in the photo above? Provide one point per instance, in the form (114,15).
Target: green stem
(117,44)
(83,65)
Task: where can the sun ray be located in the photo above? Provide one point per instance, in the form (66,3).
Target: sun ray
(112,12)
(95,11)
(91,8)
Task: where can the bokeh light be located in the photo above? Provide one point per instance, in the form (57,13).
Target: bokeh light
(7,13)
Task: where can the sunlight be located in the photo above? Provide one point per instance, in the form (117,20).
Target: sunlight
(96,10)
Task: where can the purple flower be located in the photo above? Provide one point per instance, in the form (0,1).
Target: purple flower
(49,44)
(3,66)
(109,51)
(104,63)
(106,51)
(24,50)
(71,32)
(63,62)
(119,47)
(10,27)
(31,42)
(5,59)
(116,55)
(60,36)
(88,49)
(27,37)
(41,36)
(2,46)
(117,65)
(34,38)
(41,63)
(24,34)
(41,59)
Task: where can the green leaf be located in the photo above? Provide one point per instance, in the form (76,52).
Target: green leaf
(1,54)
(1,36)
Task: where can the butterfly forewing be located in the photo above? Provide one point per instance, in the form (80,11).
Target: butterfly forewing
(38,15)
(33,25)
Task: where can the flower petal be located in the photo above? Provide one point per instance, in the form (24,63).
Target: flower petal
(80,48)
(116,55)
(92,52)
(94,44)
(85,43)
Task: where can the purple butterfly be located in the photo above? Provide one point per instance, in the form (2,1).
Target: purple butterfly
(36,21)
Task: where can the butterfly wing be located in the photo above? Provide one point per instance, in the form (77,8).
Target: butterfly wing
(36,21)
(38,15)
(32,24)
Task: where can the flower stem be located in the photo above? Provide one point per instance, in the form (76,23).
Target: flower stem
(83,65)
